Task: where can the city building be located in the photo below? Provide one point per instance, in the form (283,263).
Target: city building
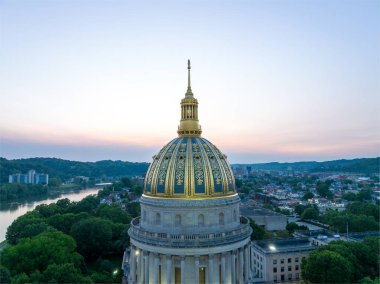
(270,220)
(190,229)
(279,260)
(31,177)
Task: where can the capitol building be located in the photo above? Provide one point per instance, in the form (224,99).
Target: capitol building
(190,229)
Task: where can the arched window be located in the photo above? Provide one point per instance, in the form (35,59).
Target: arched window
(235,215)
(158,218)
(177,221)
(221,218)
(201,220)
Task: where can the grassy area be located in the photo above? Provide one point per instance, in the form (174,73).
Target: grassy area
(68,186)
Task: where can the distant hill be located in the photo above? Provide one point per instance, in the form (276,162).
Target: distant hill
(363,165)
(66,169)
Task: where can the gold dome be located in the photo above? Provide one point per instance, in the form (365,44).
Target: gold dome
(189,166)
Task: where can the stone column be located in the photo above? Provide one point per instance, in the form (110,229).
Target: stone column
(233,267)
(139,266)
(223,267)
(156,264)
(246,264)
(251,261)
(132,265)
(168,269)
(146,268)
(241,266)
(196,272)
(210,273)
(182,270)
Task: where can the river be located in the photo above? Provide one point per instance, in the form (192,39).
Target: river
(10,210)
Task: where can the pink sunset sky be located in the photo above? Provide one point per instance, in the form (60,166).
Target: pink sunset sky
(276,80)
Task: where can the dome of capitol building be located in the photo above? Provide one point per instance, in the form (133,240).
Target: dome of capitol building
(190,229)
(189,167)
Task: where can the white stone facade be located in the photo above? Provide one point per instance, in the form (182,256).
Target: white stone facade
(189,241)
(279,260)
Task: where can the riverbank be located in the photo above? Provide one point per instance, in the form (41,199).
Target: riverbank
(11,191)
(10,210)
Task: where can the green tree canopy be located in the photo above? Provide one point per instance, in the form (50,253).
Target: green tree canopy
(5,276)
(309,214)
(59,273)
(362,260)
(114,213)
(27,225)
(323,189)
(258,232)
(93,236)
(308,195)
(325,266)
(64,222)
(31,254)
(292,226)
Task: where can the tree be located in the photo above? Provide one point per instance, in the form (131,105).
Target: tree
(238,183)
(308,195)
(126,182)
(138,190)
(55,182)
(114,213)
(370,257)
(48,210)
(245,189)
(325,266)
(292,226)
(364,194)
(299,208)
(323,189)
(36,253)
(282,211)
(258,232)
(5,276)
(363,258)
(358,208)
(87,204)
(282,234)
(27,225)
(93,236)
(349,196)
(64,222)
(309,214)
(63,203)
(60,273)
(133,209)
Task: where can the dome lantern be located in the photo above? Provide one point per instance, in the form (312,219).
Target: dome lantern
(189,124)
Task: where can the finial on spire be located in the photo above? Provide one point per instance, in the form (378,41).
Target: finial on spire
(189,92)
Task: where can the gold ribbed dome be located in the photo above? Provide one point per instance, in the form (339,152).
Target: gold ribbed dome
(189,166)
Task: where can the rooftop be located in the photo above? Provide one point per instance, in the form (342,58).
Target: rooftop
(278,246)
(257,211)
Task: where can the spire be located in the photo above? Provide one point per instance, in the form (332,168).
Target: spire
(189,91)
(189,125)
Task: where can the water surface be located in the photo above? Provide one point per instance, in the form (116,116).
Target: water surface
(10,210)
